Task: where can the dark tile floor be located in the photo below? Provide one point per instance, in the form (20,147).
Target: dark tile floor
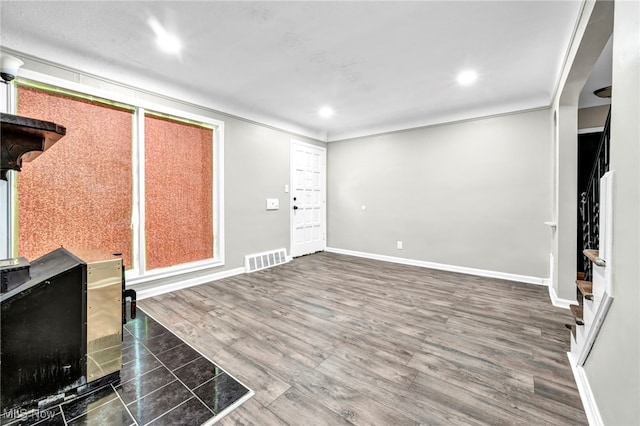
(163,381)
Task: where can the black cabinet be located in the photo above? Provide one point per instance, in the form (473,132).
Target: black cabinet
(43,330)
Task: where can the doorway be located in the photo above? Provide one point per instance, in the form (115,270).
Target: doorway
(587,149)
(308,198)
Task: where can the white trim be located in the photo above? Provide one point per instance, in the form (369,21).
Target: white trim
(138,274)
(10,189)
(590,130)
(602,276)
(12,214)
(188,99)
(138,254)
(594,329)
(218,193)
(555,300)
(172,271)
(143,293)
(115,96)
(385,130)
(231,407)
(567,59)
(558,302)
(5,242)
(444,267)
(586,395)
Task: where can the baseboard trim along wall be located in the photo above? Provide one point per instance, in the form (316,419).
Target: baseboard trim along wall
(558,302)
(146,290)
(151,289)
(444,267)
(586,395)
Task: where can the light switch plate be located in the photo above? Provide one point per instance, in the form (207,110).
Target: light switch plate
(273,204)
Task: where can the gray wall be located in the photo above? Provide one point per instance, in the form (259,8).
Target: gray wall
(473,194)
(613,367)
(564,245)
(256,168)
(592,117)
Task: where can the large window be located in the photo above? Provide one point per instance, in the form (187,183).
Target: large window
(178,196)
(125,179)
(78,192)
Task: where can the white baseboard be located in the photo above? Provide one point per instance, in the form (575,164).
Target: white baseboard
(588,400)
(444,267)
(558,302)
(142,292)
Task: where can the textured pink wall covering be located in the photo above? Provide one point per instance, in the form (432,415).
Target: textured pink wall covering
(178,192)
(77,193)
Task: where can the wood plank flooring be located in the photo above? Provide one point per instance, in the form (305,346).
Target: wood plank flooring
(330,339)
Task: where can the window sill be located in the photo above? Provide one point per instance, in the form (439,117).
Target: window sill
(133,278)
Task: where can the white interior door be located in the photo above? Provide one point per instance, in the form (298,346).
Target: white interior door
(308,198)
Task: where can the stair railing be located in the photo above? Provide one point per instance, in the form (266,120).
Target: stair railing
(590,199)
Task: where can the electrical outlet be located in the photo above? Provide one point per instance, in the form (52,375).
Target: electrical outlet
(399,245)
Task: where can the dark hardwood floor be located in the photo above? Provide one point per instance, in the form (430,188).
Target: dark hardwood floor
(333,339)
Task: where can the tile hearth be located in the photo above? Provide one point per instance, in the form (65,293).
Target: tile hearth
(163,381)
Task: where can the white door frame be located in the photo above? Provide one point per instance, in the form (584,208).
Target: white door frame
(323,184)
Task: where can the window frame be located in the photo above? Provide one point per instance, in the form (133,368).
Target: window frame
(137,274)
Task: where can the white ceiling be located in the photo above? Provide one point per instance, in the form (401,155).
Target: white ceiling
(381,66)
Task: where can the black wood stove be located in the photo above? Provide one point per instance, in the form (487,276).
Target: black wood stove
(61,314)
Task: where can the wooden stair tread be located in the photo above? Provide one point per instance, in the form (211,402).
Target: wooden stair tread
(594,256)
(586,288)
(576,311)
(580,275)
(572,327)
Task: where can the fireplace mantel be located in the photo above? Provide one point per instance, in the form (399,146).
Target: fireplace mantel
(24,139)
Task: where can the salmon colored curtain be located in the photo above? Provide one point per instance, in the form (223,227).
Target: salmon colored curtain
(178,192)
(78,192)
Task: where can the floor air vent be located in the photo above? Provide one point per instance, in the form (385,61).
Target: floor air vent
(258,261)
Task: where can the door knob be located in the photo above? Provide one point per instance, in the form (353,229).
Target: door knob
(295,207)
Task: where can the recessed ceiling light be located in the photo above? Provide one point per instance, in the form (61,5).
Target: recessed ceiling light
(165,41)
(325,112)
(468,77)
